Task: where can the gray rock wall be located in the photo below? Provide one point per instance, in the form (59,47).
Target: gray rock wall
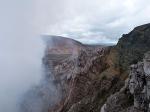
(137,86)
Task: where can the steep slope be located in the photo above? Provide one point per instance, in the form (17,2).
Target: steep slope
(132,46)
(129,50)
(86,76)
(78,76)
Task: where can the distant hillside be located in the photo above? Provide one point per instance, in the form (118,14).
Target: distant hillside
(61,45)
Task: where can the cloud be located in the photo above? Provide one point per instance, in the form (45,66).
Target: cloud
(107,20)
(21,52)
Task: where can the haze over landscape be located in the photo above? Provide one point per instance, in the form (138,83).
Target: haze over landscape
(23,22)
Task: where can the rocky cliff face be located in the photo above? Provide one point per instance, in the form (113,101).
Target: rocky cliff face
(78,77)
(129,51)
(135,95)
(131,47)
(91,78)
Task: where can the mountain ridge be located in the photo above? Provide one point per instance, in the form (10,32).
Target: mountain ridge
(90,78)
(115,62)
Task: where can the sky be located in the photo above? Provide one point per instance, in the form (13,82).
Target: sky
(23,21)
(98,21)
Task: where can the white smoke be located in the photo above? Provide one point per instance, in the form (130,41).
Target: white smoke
(21,50)
(40,97)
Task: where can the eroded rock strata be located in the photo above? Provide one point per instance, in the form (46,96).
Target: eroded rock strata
(91,78)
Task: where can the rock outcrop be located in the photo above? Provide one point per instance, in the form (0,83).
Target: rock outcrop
(136,87)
